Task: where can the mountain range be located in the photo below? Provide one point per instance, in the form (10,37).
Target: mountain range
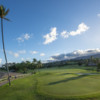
(77,54)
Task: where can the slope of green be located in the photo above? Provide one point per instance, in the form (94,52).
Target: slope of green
(55,84)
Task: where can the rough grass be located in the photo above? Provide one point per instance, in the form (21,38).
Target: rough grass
(54,84)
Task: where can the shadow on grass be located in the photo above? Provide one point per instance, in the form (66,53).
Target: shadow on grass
(67,73)
(68,79)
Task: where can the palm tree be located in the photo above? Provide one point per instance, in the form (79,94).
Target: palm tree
(39,64)
(34,61)
(3,13)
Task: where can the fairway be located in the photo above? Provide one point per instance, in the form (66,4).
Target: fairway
(55,84)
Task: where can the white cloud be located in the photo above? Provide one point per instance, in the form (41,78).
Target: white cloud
(50,37)
(52,59)
(86,52)
(42,54)
(27,36)
(77,53)
(57,54)
(81,28)
(22,59)
(16,55)
(0,60)
(33,52)
(22,51)
(27,59)
(24,37)
(64,34)
(98,15)
(20,39)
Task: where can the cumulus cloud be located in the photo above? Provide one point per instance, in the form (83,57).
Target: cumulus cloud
(81,28)
(17,54)
(57,54)
(64,34)
(52,59)
(0,60)
(22,51)
(86,52)
(33,52)
(75,54)
(24,37)
(27,59)
(50,37)
(27,36)
(20,39)
(42,54)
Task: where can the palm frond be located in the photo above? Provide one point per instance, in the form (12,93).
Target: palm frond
(6,12)
(3,11)
(1,7)
(7,19)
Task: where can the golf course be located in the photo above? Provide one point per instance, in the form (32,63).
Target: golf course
(49,49)
(64,83)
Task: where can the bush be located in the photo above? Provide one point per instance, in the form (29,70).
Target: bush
(80,63)
(98,67)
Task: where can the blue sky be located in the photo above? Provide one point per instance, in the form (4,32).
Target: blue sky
(42,28)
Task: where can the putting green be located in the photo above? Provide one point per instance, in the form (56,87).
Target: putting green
(67,82)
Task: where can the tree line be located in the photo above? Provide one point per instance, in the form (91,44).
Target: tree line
(24,66)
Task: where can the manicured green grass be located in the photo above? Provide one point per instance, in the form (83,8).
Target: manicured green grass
(21,89)
(55,84)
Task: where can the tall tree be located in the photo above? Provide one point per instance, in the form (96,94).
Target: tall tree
(3,13)
(34,60)
(39,64)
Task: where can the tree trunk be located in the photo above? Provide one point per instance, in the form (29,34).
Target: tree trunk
(5,52)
